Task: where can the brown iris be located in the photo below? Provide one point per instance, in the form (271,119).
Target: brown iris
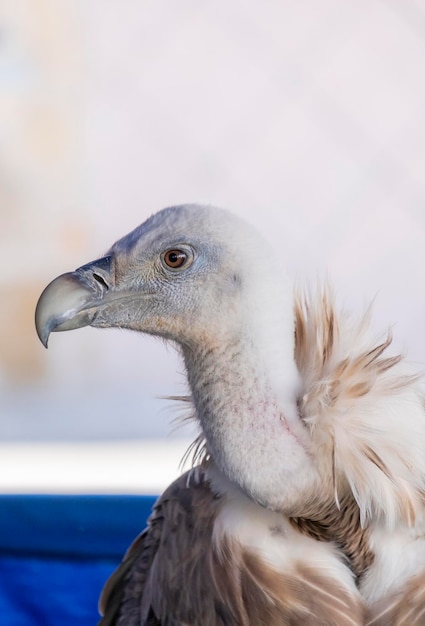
(175,258)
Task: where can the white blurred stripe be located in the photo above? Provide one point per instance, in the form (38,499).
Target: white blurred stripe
(140,467)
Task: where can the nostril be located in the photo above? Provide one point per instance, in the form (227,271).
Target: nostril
(101,280)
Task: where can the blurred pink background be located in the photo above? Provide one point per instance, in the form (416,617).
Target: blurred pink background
(305,117)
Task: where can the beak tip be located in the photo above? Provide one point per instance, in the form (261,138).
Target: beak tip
(43,332)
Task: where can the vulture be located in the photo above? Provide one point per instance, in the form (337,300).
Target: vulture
(305,501)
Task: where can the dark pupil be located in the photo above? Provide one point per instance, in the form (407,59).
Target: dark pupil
(173,257)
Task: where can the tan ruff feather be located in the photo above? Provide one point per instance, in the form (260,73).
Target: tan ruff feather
(341,525)
(350,390)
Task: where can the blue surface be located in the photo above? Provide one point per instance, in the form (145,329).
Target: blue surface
(57,551)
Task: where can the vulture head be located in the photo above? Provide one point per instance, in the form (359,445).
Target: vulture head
(190,273)
(206,280)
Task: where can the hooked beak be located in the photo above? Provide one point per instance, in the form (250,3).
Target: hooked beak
(72,300)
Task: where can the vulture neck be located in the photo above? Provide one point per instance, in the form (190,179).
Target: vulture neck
(245,385)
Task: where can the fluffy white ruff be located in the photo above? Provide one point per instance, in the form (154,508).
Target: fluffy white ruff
(365,412)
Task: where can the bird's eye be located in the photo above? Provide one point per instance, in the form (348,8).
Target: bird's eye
(175,258)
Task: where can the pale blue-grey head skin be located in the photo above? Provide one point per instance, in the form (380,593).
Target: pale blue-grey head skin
(133,287)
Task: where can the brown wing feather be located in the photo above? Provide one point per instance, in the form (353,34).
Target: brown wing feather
(173,575)
(147,588)
(304,598)
(404,608)
(187,582)
(111,596)
(127,582)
